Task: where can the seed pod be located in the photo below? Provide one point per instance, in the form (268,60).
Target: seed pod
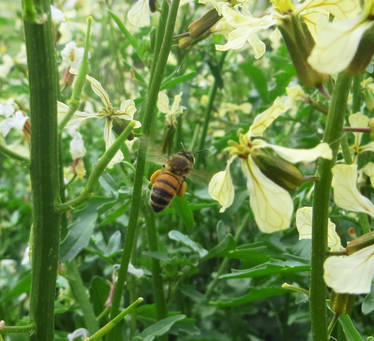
(283,173)
(341,303)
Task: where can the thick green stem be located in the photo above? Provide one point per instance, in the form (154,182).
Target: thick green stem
(80,294)
(15,156)
(321,200)
(158,289)
(152,95)
(208,113)
(223,265)
(111,324)
(44,169)
(97,171)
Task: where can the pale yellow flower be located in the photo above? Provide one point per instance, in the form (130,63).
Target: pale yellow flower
(139,14)
(346,194)
(337,42)
(271,204)
(171,112)
(304,227)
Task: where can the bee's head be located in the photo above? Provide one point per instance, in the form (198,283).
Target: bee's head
(181,163)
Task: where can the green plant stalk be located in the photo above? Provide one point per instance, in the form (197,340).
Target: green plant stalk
(157,280)
(332,136)
(97,171)
(80,80)
(225,261)
(44,167)
(208,114)
(15,156)
(140,166)
(80,294)
(332,324)
(111,324)
(28,329)
(345,149)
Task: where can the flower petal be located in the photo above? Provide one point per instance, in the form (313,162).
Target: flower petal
(298,155)
(99,90)
(109,139)
(263,120)
(346,194)
(272,205)
(351,274)
(368,169)
(139,14)
(221,187)
(77,149)
(304,227)
(163,102)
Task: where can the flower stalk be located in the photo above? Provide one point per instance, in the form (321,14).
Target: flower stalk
(44,167)
(13,155)
(332,136)
(26,330)
(151,101)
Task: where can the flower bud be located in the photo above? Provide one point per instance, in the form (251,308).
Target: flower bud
(202,25)
(359,243)
(371,126)
(341,303)
(300,43)
(278,170)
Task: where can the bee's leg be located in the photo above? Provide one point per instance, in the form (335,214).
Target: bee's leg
(182,189)
(154,176)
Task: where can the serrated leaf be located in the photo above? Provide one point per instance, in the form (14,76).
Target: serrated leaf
(80,232)
(222,248)
(160,327)
(254,294)
(350,331)
(182,238)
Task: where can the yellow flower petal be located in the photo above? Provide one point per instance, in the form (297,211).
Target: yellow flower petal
(272,205)
(346,194)
(297,155)
(351,274)
(336,44)
(358,120)
(369,171)
(304,227)
(263,120)
(221,187)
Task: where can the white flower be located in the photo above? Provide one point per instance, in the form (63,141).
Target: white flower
(172,112)
(351,274)
(80,333)
(134,271)
(304,227)
(271,204)
(72,57)
(139,14)
(57,15)
(12,118)
(126,112)
(6,65)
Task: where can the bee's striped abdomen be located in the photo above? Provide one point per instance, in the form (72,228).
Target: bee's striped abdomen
(163,191)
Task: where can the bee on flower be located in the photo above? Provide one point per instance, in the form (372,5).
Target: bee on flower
(269,177)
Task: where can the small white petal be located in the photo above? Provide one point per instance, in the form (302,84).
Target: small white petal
(99,90)
(109,139)
(272,205)
(5,126)
(351,274)
(139,14)
(77,149)
(304,227)
(80,333)
(134,271)
(346,194)
(57,15)
(298,155)
(221,187)
(163,102)
(19,120)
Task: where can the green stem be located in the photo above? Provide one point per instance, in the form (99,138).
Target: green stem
(223,265)
(345,149)
(208,113)
(28,329)
(98,170)
(80,294)
(332,324)
(111,324)
(356,94)
(364,223)
(15,156)
(156,269)
(41,63)
(80,80)
(333,133)
(154,88)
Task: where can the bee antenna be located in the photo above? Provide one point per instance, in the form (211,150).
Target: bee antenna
(183,147)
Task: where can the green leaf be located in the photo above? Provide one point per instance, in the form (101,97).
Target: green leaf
(99,291)
(114,244)
(255,294)
(222,248)
(258,78)
(159,328)
(180,237)
(368,304)
(169,83)
(266,269)
(22,286)
(255,255)
(80,232)
(184,211)
(350,331)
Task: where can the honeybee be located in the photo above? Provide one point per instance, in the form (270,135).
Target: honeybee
(170,180)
